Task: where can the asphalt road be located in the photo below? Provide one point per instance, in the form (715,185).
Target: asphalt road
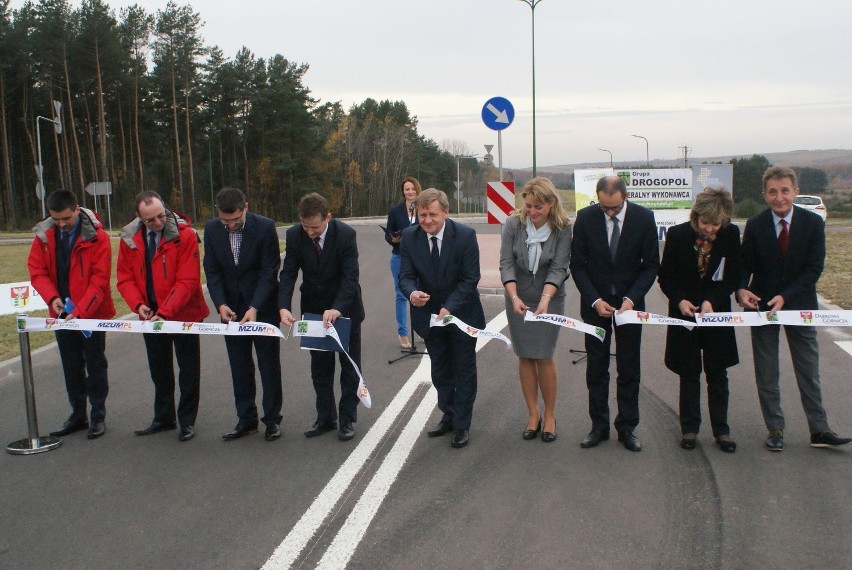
(393,498)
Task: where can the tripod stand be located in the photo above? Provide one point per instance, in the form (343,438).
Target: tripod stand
(406,352)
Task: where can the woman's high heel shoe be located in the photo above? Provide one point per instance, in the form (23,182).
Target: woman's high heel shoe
(532,433)
(727,445)
(549,436)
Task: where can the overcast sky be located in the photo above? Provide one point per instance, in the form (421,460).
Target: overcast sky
(723,77)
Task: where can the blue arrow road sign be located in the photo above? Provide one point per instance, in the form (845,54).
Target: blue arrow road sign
(498,113)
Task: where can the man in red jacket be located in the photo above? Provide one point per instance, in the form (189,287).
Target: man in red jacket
(70,260)
(159,277)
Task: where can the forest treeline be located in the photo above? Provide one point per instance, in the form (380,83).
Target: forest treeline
(144,103)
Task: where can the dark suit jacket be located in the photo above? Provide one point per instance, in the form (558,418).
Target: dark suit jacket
(398,220)
(766,274)
(636,263)
(679,280)
(330,282)
(254,281)
(454,285)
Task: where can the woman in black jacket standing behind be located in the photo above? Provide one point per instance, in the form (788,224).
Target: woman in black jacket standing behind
(400,217)
(700,270)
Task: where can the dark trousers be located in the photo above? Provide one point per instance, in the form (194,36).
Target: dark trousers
(268,351)
(187,350)
(628,339)
(453,357)
(322,374)
(85,367)
(717,402)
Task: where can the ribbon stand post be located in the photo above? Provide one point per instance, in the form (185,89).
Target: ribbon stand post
(34,443)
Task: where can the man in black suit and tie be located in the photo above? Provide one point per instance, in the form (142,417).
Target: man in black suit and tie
(439,272)
(241,260)
(783,257)
(614,261)
(326,252)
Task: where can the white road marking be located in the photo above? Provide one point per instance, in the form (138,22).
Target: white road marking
(845,345)
(343,548)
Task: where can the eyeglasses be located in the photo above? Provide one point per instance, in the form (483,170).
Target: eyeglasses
(611,210)
(161,216)
(232,221)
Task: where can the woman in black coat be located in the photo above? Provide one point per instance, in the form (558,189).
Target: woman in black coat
(400,217)
(700,270)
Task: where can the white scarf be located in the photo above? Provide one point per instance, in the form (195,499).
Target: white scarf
(535,237)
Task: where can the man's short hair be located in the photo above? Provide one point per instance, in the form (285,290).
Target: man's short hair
(311,205)
(229,200)
(779,172)
(60,200)
(147,197)
(714,204)
(431,195)
(611,184)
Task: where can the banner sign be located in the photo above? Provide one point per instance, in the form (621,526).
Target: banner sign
(467,329)
(659,188)
(566,322)
(20,297)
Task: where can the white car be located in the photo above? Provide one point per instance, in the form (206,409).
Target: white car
(812,203)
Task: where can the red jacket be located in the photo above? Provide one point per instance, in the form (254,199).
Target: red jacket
(176,270)
(89,272)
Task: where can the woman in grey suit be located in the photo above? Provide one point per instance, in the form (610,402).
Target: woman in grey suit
(534,254)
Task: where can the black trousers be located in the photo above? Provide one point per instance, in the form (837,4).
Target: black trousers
(84,365)
(717,402)
(628,340)
(453,357)
(187,350)
(322,374)
(268,351)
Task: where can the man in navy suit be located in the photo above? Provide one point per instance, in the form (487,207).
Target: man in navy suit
(783,257)
(614,261)
(439,272)
(241,260)
(326,252)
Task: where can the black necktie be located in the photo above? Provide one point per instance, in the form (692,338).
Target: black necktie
(436,255)
(613,241)
(317,246)
(152,245)
(149,271)
(65,243)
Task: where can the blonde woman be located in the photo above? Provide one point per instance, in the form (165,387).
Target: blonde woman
(534,254)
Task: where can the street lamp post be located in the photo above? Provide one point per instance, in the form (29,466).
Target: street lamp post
(57,126)
(532,4)
(647,156)
(458,180)
(610,155)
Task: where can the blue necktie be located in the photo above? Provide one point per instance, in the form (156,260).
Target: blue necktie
(436,255)
(65,243)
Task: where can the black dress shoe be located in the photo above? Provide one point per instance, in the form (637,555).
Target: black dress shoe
(440,429)
(186,433)
(461,437)
(96,431)
(156,427)
(239,431)
(320,428)
(549,436)
(594,438)
(726,445)
(345,433)
(630,441)
(688,443)
(273,432)
(532,433)
(71,425)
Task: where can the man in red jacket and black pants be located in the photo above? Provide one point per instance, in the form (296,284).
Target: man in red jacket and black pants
(71,259)
(159,277)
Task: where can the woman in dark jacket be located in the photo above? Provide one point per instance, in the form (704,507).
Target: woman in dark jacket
(401,216)
(700,270)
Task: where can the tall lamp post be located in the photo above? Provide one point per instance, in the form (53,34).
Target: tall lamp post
(610,155)
(458,180)
(57,126)
(647,156)
(532,4)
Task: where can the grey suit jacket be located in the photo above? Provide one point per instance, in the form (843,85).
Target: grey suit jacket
(514,260)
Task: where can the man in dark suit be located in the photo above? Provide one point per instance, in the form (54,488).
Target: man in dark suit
(326,252)
(614,261)
(439,272)
(783,257)
(241,261)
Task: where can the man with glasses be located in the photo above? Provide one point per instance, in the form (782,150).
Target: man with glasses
(241,261)
(70,260)
(326,252)
(159,277)
(614,261)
